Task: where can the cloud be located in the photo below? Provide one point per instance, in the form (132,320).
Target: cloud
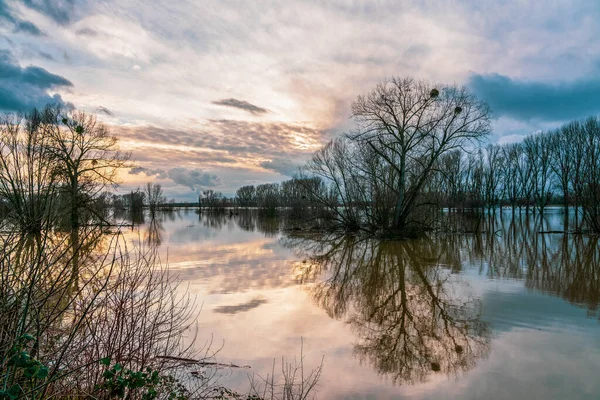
(192,178)
(19,25)
(28,27)
(147,153)
(24,88)
(234,138)
(531,100)
(104,110)
(46,56)
(242,105)
(159,173)
(238,152)
(5,12)
(87,32)
(58,10)
(281,165)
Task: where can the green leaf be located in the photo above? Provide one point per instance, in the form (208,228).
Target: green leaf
(105,361)
(27,337)
(30,372)
(42,372)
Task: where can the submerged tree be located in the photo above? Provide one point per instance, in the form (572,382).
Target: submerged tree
(154,196)
(87,157)
(590,181)
(403,128)
(55,165)
(246,196)
(28,176)
(411,124)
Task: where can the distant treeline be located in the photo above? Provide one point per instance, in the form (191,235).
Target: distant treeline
(560,166)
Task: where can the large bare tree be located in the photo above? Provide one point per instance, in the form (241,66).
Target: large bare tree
(27,173)
(410,124)
(87,159)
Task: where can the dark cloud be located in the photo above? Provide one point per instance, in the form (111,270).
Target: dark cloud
(529,100)
(28,27)
(18,24)
(87,32)
(192,178)
(239,307)
(242,105)
(42,78)
(47,56)
(24,88)
(5,12)
(281,165)
(104,110)
(159,173)
(58,10)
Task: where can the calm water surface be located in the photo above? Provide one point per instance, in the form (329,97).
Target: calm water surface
(506,314)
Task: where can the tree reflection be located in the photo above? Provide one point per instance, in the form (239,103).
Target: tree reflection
(569,268)
(153,235)
(412,316)
(246,220)
(514,247)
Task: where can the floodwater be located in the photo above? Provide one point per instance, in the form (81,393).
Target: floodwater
(509,313)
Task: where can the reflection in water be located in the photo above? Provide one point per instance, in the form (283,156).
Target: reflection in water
(249,305)
(246,220)
(571,270)
(412,317)
(153,235)
(405,300)
(566,265)
(81,297)
(269,226)
(410,311)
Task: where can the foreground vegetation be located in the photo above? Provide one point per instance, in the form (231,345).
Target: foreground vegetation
(84,313)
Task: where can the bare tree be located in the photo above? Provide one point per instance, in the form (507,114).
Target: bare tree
(27,173)
(537,151)
(246,196)
(154,196)
(512,193)
(336,164)
(590,188)
(87,158)
(561,161)
(410,124)
(268,198)
(211,199)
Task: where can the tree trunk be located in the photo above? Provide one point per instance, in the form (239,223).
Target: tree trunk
(399,219)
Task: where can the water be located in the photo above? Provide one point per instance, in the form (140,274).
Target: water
(506,314)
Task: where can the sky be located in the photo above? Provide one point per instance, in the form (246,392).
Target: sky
(216,94)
